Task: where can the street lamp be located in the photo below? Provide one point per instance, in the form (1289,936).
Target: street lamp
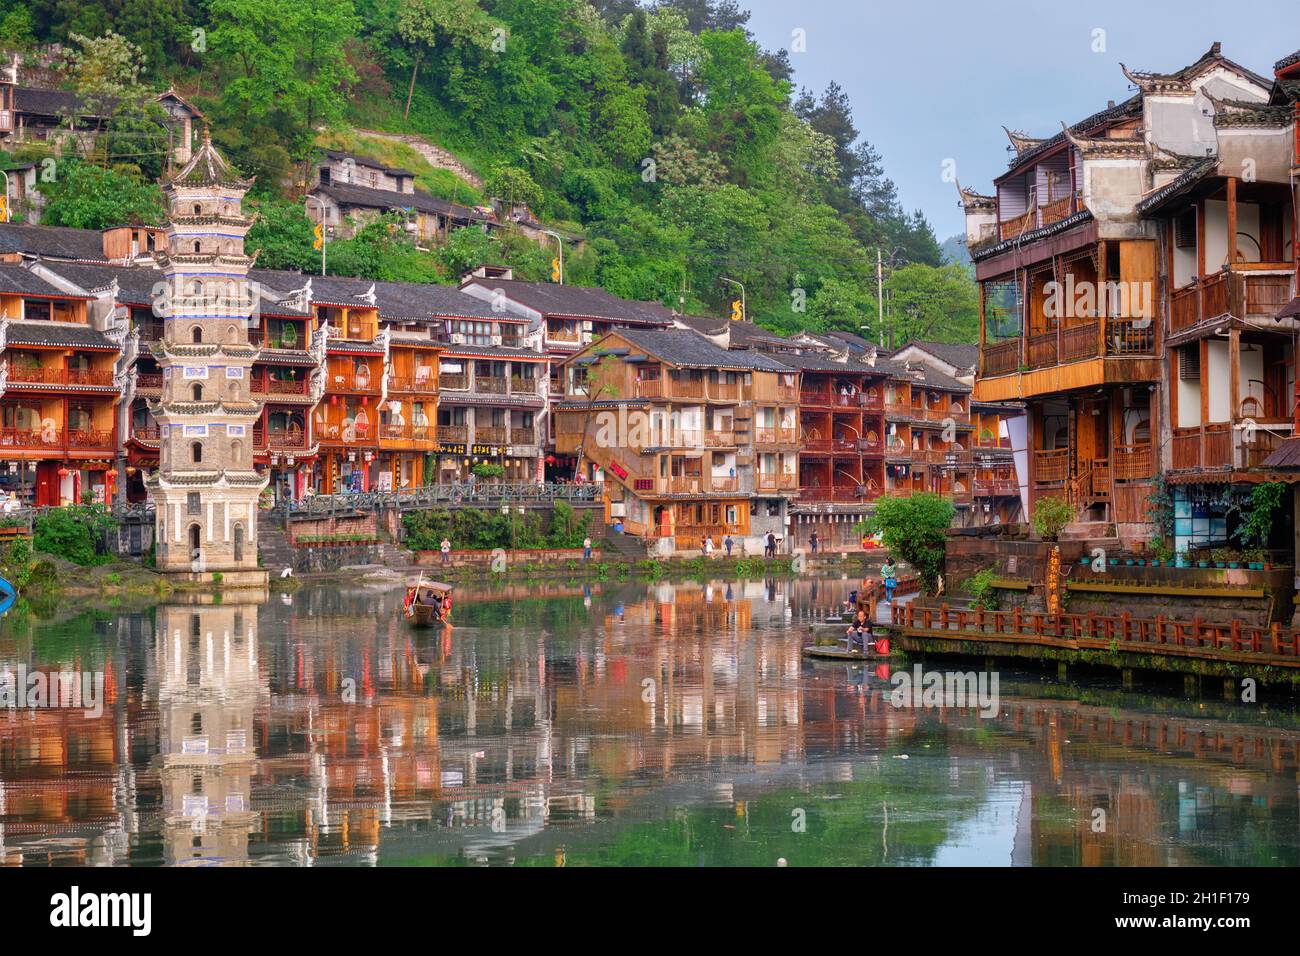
(6,193)
(321,202)
(559,242)
(743,311)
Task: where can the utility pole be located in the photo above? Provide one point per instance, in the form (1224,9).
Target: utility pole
(880,298)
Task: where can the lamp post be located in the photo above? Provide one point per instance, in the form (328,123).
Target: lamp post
(321,203)
(744,313)
(6,193)
(559,242)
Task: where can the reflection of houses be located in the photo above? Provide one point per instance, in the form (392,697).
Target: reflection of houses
(58,434)
(667,417)
(1133,269)
(209,690)
(353,190)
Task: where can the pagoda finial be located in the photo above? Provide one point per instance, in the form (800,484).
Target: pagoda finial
(207,135)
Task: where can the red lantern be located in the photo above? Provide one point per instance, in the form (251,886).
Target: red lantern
(334,399)
(64,472)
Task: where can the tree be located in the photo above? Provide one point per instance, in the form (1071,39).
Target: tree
(282,236)
(105,71)
(512,186)
(914,528)
(286,62)
(423,24)
(89,197)
(928,302)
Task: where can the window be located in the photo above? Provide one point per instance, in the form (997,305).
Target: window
(196,452)
(196,335)
(196,392)
(193,503)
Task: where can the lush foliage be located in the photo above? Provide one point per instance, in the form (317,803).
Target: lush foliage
(1257,520)
(474,529)
(74,533)
(1050,516)
(90,197)
(980,587)
(666,136)
(915,529)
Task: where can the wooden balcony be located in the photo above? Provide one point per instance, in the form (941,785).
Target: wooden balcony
(719,439)
(149,432)
(453,381)
(57,439)
(453,433)
(995,487)
(771,481)
(491,384)
(724,391)
(353,383)
(279,440)
(490,434)
(724,484)
(415,384)
(1052,467)
(280,386)
(873,447)
(873,400)
(44,376)
(1018,225)
(1133,462)
(148,381)
(1255,290)
(775,436)
(1202,446)
(1001,357)
(816,396)
(523,386)
(523,436)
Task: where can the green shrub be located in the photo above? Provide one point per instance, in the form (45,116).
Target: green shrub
(74,533)
(980,587)
(1050,516)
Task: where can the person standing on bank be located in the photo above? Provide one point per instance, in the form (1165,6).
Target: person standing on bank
(889,574)
(812,540)
(586,549)
(445,548)
(728,544)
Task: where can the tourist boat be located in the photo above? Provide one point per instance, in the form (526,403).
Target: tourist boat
(424,603)
(877,648)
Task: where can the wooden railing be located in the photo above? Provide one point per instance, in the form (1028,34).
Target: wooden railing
(1001,357)
(522,436)
(1051,467)
(148,380)
(56,438)
(427,384)
(294,439)
(523,386)
(1079,341)
(1214,296)
(352,381)
(1130,336)
(1018,225)
(453,381)
(775,436)
(280,386)
(771,481)
(1202,446)
(724,391)
(812,396)
(453,433)
(490,384)
(40,375)
(1042,350)
(1233,640)
(873,400)
(1054,211)
(490,434)
(1133,462)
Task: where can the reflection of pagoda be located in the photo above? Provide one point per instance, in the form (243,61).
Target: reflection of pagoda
(208,690)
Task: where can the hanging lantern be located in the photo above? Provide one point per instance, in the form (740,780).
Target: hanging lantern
(64,472)
(334,399)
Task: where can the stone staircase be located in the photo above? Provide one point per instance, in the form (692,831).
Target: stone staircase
(273,547)
(622,547)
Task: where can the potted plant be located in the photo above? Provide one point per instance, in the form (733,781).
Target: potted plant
(1050,516)
(1220,557)
(1182,560)
(1254,558)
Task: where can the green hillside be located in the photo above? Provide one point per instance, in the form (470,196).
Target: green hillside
(663,134)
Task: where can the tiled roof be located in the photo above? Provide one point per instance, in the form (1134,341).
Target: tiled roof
(961,355)
(18,279)
(207,167)
(578,301)
(58,334)
(1286,61)
(47,102)
(135,283)
(492,351)
(395,300)
(53,242)
(1130,107)
(348,194)
(367,162)
(1285,455)
(1177,186)
(687,349)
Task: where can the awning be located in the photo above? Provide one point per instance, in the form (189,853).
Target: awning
(1291,310)
(1287,454)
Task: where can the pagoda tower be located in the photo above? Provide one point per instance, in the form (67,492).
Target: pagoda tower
(206,489)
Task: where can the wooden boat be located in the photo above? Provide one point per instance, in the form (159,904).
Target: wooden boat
(877,649)
(425,602)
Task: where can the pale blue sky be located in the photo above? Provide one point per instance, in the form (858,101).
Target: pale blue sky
(937,80)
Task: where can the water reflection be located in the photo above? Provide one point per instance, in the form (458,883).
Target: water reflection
(610,724)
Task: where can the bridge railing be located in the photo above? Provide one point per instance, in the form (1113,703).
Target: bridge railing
(457,493)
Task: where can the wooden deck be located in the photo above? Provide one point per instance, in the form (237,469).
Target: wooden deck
(1176,645)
